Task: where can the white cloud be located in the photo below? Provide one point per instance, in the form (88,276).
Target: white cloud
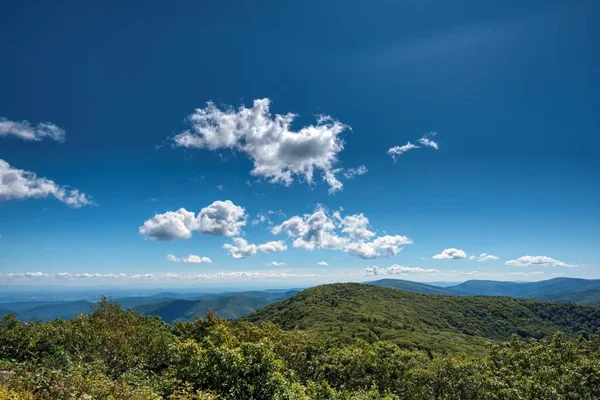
(426,140)
(396,269)
(170,225)
(382,246)
(451,254)
(399,150)
(24,130)
(24,277)
(275,264)
(322,263)
(279,154)
(191,259)
(241,249)
(17,184)
(318,231)
(352,172)
(221,218)
(486,257)
(221,188)
(537,261)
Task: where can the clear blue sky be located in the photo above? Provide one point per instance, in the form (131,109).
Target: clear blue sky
(512,89)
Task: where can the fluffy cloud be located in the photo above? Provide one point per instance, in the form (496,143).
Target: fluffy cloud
(221,218)
(320,231)
(427,141)
(24,130)
(17,184)
(399,150)
(355,226)
(279,154)
(537,261)
(240,247)
(450,254)
(322,263)
(275,264)
(398,270)
(191,259)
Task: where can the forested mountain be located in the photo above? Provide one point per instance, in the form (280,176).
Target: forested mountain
(170,306)
(229,307)
(526,289)
(114,353)
(411,286)
(442,323)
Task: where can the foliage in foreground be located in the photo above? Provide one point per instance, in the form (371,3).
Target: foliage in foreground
(119,354)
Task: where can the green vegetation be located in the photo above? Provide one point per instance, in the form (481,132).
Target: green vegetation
(413,320)
(117,354)
(410,286)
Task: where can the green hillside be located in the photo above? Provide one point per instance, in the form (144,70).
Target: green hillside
(441,323)
(586,297)
(229,307)
(410,286)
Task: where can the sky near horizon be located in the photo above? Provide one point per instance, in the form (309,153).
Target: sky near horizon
(298,143)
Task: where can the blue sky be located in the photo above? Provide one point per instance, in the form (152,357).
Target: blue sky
(511,90)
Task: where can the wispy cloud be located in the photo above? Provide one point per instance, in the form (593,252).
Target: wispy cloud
(537,261)
(190,259)
(18,184)
(25,131)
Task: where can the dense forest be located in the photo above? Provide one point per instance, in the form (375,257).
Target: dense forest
(314,345)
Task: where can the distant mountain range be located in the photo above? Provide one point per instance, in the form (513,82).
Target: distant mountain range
(173,307)
(565,290)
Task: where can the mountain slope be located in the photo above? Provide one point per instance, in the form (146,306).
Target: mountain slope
(225,306)
(541,289)
(417,320)
(411,286)
(588,297)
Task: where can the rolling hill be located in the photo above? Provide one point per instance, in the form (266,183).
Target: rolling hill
(410,286)
(442,323)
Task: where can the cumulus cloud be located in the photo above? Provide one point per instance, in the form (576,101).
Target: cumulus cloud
(241,248)
(221,218)
(25,131)
(537,261)
(17,184)
(319,230)
(190,259)
(451,254)
(426,140)
(396,269)
(356,226)
(322,263)
(486,257)
(279,154)
(399,150)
